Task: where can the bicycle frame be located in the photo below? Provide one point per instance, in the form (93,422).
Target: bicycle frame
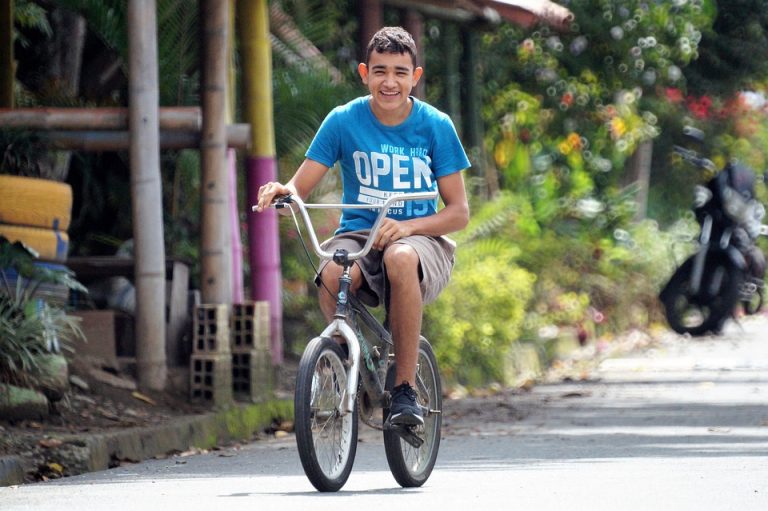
(342,325)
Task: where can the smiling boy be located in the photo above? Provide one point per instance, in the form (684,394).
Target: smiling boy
(387,143)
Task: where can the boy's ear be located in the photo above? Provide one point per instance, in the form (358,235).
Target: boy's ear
(362,70)
(417,74)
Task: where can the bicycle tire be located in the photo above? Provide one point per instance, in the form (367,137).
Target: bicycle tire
(326,440)
(410,466)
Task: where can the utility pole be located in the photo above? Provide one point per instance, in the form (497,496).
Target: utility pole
(264,246)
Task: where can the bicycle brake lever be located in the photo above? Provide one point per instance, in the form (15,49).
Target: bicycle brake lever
(282,202)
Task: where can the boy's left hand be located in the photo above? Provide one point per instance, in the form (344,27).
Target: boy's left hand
(389,232)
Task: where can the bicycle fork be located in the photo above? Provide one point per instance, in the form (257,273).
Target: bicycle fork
(340,327)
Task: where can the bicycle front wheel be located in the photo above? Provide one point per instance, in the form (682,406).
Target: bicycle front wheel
(411,466)
(326,439)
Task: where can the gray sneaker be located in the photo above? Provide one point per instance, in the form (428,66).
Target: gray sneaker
(404,410)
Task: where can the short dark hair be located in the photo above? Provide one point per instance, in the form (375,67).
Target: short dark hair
(392,40)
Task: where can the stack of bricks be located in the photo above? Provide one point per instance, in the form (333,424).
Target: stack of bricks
(251,355)
(211,359)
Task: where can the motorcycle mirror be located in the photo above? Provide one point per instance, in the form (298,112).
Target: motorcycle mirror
(694,134)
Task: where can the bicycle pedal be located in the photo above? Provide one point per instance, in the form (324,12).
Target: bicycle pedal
(406,433)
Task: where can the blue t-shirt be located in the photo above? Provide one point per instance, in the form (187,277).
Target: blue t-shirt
(378,161)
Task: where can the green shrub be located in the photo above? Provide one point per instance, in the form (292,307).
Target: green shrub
(479,315)
(30,329)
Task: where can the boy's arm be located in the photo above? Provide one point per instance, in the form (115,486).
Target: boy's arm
(453,217)
(306,178)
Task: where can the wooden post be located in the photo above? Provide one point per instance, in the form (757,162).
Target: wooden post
(637,173)
(146,194)
(414,23)
(451,60)
(108,118)
(7,64)
(216,249)
(471,101)
(371,15)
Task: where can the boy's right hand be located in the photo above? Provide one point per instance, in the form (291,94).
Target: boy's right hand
(268,193)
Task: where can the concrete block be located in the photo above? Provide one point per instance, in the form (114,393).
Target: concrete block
(252,375)
(210,378)
(108,334)
(250,327)
(211,329)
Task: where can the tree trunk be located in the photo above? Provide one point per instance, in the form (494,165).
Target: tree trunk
(64,69)
(7,64)
(146,194)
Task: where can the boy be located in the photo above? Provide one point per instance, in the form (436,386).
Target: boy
(390,142)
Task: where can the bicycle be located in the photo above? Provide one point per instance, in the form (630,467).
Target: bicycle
(334,389)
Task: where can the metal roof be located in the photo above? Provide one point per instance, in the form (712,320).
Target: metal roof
(524,13)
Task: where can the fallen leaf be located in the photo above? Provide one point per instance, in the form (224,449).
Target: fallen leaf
(50,443)
(285,426)
(141,397)
(108,415)
(55,467)
(280,434)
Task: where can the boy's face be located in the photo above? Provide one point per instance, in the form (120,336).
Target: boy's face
(390,78)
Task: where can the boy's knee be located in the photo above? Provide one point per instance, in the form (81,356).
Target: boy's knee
(401,256)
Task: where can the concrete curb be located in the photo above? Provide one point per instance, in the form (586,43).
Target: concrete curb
(10,471)
(80,454)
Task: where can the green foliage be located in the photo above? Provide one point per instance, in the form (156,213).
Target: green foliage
(29,328)
(733,52)
(29,15)
(29,331)
(19,153)
(480,314)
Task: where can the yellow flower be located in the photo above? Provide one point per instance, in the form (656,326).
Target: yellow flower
(574,140)
(618,127)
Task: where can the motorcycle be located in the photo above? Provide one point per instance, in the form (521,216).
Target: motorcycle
(727,268)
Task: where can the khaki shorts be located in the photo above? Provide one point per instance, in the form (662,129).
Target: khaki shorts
(436,259)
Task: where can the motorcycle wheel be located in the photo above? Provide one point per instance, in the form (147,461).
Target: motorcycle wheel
(706,311)
(754,304)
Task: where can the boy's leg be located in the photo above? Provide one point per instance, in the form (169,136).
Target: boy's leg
(329,287)
(405,309)
(418,268)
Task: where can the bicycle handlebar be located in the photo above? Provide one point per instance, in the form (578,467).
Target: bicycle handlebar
(287,200)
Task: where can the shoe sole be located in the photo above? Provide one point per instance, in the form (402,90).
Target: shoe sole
(406,420)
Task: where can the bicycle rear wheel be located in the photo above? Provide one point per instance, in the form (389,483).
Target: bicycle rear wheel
(326,439)
(411,466)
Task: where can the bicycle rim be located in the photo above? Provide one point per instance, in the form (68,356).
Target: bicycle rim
(326,440)
(412,466)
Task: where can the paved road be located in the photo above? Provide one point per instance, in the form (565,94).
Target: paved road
(683,426)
